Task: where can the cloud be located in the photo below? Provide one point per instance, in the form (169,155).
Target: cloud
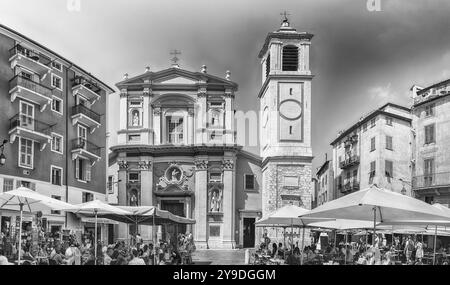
(382,93)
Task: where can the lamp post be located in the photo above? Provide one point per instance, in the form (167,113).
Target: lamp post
(403,191)
(2,155)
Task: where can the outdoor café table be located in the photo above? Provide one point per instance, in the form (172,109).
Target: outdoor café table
(276,261)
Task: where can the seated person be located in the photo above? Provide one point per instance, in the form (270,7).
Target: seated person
(294,258)
(274,252)
(280,250)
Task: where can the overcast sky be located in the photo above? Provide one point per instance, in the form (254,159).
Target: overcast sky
(360,59)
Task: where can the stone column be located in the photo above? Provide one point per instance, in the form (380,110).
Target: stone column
(228,204)
(190,126)
(146,124)
(157,126)
(201,198)
(145,165)
(123,114)
(229,117)
(122,195)
(188,208)
(201,117)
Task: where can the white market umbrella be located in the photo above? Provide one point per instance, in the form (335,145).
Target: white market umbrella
(377,205)
(97,207)
(24,199)
(288,216)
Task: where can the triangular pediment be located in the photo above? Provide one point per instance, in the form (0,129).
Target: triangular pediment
(175,80)
(177,76)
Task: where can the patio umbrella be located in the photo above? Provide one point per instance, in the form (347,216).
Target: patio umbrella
(24,199)
(377,205)
(289,216)
(146,215)
(97,207)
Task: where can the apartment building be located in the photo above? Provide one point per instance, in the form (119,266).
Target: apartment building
(53,114)
(431,155)
(324,183)
(374,150)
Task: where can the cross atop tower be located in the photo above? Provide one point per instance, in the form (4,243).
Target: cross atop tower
(175,59)
(285,15)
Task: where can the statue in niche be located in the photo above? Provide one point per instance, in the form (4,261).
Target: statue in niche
(135,118)
(215,201)
(133,199)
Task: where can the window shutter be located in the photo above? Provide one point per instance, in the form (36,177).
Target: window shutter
(88,171)
(77,168)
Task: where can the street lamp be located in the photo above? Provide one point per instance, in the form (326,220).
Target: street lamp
(2,155)
(403,191)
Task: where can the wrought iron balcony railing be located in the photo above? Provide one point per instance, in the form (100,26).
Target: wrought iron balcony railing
(80,143)
(80,109)
(80,80)
(431,180)
(29,123)
(349,162)
(24,82)
(18,49)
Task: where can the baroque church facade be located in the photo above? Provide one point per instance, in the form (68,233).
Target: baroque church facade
(177,147)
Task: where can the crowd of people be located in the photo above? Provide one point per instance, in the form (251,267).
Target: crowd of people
(70,251)
(409,250)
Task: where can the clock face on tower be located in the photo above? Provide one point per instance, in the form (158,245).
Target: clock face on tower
(290,109)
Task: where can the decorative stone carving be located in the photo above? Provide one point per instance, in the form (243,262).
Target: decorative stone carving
(191,112)
(174,176)
(227,164)
(123,93)
(157,111)
(123,165)
(201,164)
(201,92)
(144,165)
(147,91)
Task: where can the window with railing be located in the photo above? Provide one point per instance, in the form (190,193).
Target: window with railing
(81,109)
(24,81)
(19,49)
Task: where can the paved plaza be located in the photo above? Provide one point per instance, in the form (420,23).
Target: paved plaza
(219,257)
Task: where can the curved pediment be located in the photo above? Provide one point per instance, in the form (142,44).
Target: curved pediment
(173,99)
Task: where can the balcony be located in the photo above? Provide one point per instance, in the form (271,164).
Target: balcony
(29,128)
(86,89)
(349,187)
(27,58)
(432,183)
(81,148)
(84,115)
(25,88)
(349,162)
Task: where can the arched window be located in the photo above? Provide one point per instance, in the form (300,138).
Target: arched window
(268,65)
(290,58)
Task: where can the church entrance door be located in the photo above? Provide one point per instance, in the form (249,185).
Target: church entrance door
(172,230)
(249,232)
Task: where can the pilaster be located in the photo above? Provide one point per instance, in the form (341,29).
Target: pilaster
(228,166)
(201,198)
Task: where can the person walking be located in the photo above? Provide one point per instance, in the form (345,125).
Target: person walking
(409,247)
(419,251)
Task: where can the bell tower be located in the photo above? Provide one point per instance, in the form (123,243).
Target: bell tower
(285,129)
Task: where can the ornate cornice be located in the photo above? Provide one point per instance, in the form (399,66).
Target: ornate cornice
(201,164)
